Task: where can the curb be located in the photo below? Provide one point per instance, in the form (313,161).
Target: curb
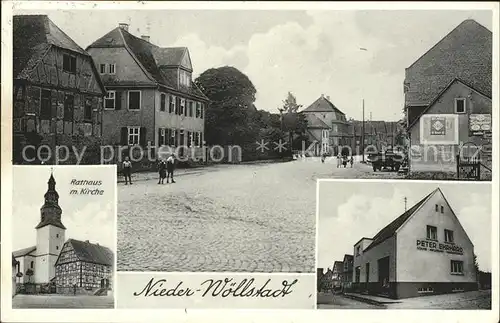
(367,300)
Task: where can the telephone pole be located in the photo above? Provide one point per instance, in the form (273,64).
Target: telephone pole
(363,134)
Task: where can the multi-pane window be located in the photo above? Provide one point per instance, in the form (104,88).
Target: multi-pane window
(87,111)
(191,105)
(184,78)
(163,99)
(134,100)
(431,232)
(448,235)
(183,106)
(69,63)
(102,68)
(171,106)
(358,249)
(134,135)
(442,209)
(198,109)
(111,68)
(457,267)
(460,105)
(45,105)
(110,100)
(69,102)
(437,208)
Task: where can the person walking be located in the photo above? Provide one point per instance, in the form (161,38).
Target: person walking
(351,161)
(170,167)
(127,171)
(339,159)
(162,170)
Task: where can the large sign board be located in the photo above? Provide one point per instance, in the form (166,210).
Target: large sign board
(479,124)
(439,129)
(439,247)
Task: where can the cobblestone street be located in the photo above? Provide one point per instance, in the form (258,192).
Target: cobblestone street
(62,301)
(254,217)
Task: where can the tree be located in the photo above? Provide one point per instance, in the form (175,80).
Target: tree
(293,122)
(229,114)
(29,273)
(476,265)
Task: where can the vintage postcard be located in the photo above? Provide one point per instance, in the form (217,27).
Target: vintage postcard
(411,245)
(64,237)
(209,126)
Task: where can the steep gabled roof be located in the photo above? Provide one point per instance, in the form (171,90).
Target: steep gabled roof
(170,56)
(24,251)
(465,53)
(33,36)
(157,62)
(338,266)
(389,230)
(322,104)
(93,253)
(455,80)
(348,257)
(315,122)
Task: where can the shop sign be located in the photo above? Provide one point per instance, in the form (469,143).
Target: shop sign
(439,247)
(479,124)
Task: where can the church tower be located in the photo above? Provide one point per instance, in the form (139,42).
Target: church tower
(49,235)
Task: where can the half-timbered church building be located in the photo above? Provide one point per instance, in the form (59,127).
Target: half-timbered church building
(71,266)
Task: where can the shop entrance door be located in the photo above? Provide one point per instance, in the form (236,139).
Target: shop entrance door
(383,275)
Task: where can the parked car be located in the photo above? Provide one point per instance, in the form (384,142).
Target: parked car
(387,159)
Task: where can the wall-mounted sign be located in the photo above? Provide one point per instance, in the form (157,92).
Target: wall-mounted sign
(439,247)
(439,129)
(479,124)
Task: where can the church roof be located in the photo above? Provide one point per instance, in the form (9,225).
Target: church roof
(92,252)
(389,230)
(23,252)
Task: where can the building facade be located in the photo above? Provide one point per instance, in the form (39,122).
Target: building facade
(151,99)
(448,99)
(84,264)
(53,260)
(424,251)
(327,126)
(347,272)
(58,93)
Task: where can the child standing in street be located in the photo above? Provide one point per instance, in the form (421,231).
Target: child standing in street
(170,167)
(339,159)
(162,170)
(127,171)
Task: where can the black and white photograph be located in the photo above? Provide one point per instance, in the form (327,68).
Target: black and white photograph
(63,237)
(220,133)
(404,245)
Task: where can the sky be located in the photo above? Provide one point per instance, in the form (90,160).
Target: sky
(85,217)
(348,213)
(346,55)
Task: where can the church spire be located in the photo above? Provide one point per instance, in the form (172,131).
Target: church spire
(50,210)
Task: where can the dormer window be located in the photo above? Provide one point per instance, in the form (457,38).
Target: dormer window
(184,78)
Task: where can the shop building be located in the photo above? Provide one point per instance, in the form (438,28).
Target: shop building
(423,251)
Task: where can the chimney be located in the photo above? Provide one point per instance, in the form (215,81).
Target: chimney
(322,95)
(146,38)
(123,26)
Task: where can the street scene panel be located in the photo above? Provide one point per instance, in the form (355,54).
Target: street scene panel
(64,252)
(404,245)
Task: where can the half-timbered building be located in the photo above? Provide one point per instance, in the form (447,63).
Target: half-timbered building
(58,92)
(84,264)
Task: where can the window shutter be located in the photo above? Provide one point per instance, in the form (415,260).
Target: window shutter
(124,136)
(160,138)
(142,137)
(118,100)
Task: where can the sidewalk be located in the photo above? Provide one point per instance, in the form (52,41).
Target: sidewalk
(371,299)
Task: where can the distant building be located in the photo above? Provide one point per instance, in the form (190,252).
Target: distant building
(63,265)
(448,99)
(15,270)
(424,251)
(347,271)
(378,135)
(337,270)
(151,97)
(326,282)
(327,126)
(57,90)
